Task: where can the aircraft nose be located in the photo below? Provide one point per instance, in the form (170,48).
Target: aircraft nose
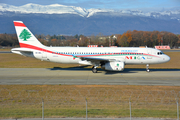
(166,58)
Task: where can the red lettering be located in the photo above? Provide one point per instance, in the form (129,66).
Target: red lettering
(130,57)
(127,57)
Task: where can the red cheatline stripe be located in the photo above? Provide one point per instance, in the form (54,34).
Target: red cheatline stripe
(23,45)
(19,24)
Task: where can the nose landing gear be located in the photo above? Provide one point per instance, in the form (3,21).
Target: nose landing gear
(147,68)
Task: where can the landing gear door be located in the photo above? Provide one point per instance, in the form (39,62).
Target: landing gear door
(149,54)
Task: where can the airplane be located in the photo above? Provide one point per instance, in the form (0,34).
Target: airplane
(111,59)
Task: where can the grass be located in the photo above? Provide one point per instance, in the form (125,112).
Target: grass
(28,112)
(25,101)
(5,49)
(92,113)
(18,61)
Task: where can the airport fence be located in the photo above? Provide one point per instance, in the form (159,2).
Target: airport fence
(58,102)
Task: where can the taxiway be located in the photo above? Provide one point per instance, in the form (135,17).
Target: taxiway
(84,76)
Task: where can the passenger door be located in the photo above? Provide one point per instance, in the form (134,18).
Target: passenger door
(149,54)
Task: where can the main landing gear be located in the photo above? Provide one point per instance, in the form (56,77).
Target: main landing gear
(94,69)
(147,68)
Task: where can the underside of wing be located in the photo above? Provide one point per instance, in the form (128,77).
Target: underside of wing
(92,59)
(95,61)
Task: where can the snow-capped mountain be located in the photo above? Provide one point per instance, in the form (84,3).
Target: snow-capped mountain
(46,9)
(50,9)
(61,19)
(62,9)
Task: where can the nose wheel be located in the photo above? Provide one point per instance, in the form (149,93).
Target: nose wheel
(94,69)
(147,68)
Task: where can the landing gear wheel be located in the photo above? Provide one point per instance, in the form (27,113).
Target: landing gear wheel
(94,70)
(147,68)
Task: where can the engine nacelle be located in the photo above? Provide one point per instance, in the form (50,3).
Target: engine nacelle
(114,66)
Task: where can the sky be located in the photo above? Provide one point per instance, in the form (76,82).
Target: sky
(102,4)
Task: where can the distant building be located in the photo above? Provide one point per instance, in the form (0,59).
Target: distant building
(142,46)
(114,37)
(92,45)
(163,47)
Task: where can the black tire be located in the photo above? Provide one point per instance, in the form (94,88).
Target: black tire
(94,70)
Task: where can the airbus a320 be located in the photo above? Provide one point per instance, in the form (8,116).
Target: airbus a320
(112,59)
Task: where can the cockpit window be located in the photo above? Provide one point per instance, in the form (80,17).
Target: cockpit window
(160,53)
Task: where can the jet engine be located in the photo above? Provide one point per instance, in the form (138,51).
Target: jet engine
(113,66)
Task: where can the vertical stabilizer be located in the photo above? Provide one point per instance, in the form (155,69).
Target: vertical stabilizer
(25,37)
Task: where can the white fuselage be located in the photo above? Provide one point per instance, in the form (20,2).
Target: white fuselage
(128,55)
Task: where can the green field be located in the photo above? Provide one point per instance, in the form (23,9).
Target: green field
(25,101)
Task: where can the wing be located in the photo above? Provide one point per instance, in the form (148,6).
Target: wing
(94,61)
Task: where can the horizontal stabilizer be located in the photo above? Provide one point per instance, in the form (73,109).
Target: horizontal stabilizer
(21,50)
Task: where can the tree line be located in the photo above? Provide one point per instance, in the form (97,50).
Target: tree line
(147,38)
(8,40)
(128,39)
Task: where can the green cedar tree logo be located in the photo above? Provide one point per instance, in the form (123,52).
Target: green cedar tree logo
(25,35)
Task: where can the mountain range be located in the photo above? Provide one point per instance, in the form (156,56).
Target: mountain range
(70,20)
